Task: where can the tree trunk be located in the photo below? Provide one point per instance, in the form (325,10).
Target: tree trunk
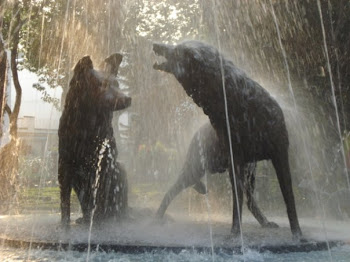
(9,153)
(3,82)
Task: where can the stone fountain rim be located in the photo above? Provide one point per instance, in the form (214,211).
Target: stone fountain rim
(308,246)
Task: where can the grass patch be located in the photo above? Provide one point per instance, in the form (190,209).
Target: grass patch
(47,199)
(43,199)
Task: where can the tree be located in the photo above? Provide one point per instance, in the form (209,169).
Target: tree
(3,79)
(9,153)
(3,69)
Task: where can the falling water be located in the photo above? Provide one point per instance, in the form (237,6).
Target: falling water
(209,218)
(41,185)
(204,161)
(41,33)
(86,10)
(70,51)
(109,28)
(45,156)
(42,178)
(101,154)
(333,92)
(338,66)
(303,138)
(29,24)
(63,37)
(67,53)
(228,127)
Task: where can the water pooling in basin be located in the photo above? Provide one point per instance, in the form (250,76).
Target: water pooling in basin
(154,133)
(340,254)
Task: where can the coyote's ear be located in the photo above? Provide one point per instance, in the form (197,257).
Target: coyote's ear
(112,63)
(83,64)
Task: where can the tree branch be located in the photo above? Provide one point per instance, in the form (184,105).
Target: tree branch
(3,82)
(7,109)
(14,53)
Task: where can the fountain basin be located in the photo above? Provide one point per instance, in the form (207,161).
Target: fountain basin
(42,231)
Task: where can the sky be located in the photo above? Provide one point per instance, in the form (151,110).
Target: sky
(46,116)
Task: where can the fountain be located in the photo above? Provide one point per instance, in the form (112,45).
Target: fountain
(297,51)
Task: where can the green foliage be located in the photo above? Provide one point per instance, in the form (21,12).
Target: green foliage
(37,172)
(166,21)
(43,199)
